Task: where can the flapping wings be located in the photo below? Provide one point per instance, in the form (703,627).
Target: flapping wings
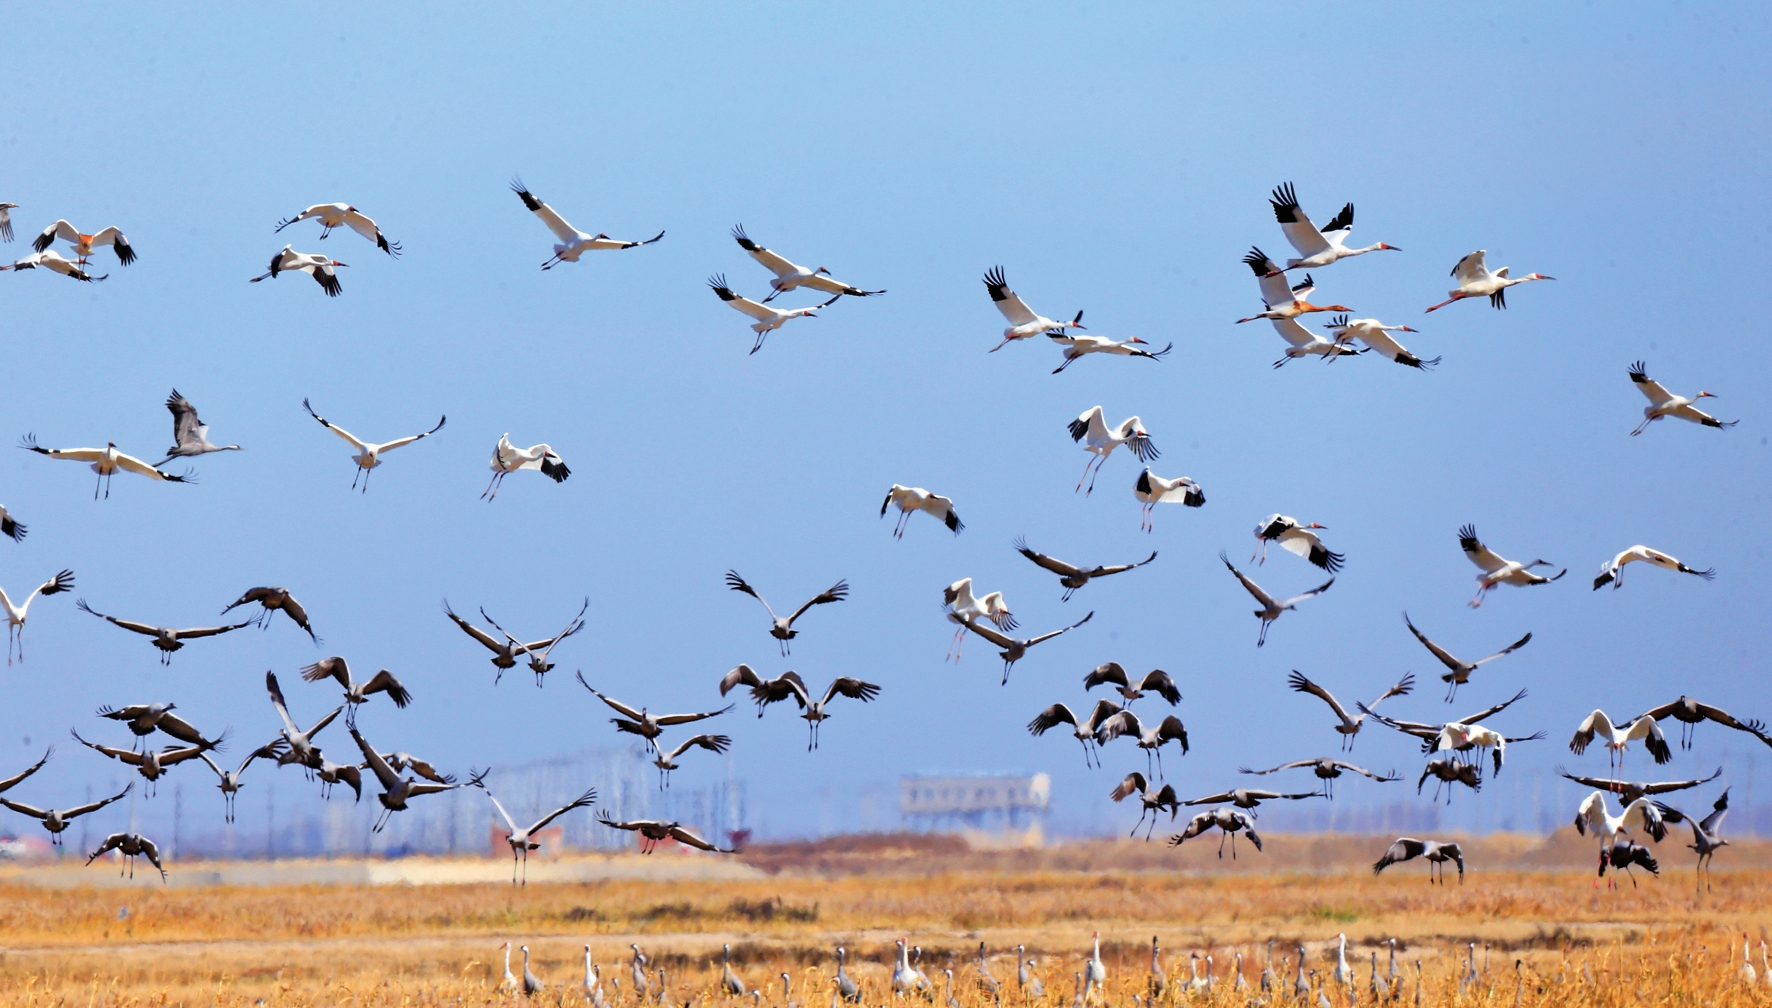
(835,593)
(712,743)
(1133,783)
(1298,682)
(1478,553)
(334,428)
(1471,268)
(373,760)
(1300,232)
(10,782)
(616,705)
(771,262)
(557,224)
(1404,849)
(1006,300)
(1651,389)
(689,839)
(1313,593)
(582,801)
(140,628)
(473,631)
(1056,566)
(1266,600)
(677,719)
(1048,636)
(852,688)
(739,584)
(760,312)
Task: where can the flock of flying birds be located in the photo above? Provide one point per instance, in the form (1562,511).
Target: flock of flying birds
(1455,748)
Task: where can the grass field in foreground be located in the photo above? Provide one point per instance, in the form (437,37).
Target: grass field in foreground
(1578,942)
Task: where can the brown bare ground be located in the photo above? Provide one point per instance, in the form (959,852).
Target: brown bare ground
(1578,942)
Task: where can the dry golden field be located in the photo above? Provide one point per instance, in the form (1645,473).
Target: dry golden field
(1576,941)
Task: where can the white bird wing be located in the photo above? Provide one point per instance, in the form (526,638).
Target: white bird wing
(1479,554)
(557,224)
(1094,427)
(1651,389)
(1292,332)
(1379,340)
(1177,493)
(399,442)
(1471,269)
(137,466)
(355,442)
(1299,542)
(1008,302)
(760,312)
(363,226)
(1299,230)
(772,262)
(1275,291)
(75,454)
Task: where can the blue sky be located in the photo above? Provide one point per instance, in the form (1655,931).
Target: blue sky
(1116,161)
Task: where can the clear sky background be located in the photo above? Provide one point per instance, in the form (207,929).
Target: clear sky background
(1116,160)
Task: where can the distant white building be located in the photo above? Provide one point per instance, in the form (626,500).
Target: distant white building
(950,801)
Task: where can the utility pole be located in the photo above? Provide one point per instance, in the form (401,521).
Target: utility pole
(271,822)
(83,844)
(178,817)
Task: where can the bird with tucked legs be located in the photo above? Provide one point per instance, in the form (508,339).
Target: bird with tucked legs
(331,215)
(791,277)
(190,435)
(1377,336)
(1327,770)
(324,269)
(1497,570)
(1663,403)
(56,821)
(1613,571)
(573,242)
(1316,247)
(1155,681)
(82,244)
(1281,301)
(1475,281)
(52,260)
